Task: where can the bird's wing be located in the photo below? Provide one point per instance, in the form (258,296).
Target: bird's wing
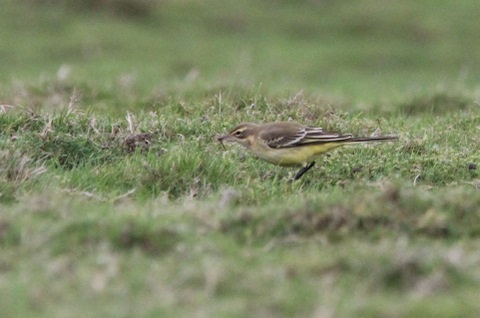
(318,135)
(293,136)
(285,140)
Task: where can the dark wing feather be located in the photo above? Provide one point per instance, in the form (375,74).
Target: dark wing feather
(286,140)
(296,135)
(317,135)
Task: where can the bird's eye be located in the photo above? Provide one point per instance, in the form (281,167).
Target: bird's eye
(238,133)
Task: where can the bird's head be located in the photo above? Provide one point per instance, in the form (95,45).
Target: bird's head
(242,134)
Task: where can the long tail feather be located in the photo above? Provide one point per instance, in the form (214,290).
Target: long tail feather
(367,139)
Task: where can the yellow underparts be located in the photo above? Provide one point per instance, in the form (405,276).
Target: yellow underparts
(294,156)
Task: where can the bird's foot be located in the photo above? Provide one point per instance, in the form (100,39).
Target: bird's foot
(303,170)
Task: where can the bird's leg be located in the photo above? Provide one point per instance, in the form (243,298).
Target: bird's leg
(303,170)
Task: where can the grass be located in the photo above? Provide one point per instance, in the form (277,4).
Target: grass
(115,199)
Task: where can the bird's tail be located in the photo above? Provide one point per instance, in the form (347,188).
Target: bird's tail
(368,139)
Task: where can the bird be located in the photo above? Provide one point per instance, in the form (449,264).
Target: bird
(289,144)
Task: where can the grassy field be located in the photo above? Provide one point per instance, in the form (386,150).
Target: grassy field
(116,200)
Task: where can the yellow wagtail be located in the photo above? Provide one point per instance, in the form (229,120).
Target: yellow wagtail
(289,144)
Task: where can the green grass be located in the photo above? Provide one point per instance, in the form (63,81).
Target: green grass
(116,200)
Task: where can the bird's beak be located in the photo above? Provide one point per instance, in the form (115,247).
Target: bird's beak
(223,138)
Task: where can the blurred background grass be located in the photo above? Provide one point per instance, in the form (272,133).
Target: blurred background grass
(367,50)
